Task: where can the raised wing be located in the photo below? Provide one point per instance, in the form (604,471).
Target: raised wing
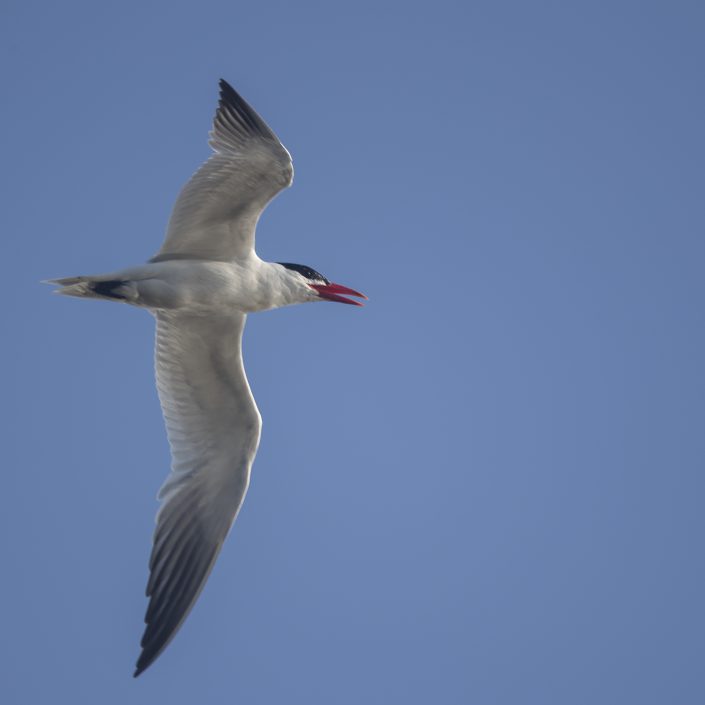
(217,211)
(213,427)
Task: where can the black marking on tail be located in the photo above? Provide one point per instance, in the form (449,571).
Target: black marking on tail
(108,288)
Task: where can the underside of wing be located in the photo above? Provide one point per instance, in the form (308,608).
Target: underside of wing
(216,213)
(213,427)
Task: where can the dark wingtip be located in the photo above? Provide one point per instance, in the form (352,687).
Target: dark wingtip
(249,121)
(144,662)
(225,87)
(228,95)
(148,656)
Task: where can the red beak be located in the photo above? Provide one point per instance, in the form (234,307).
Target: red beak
(332,292)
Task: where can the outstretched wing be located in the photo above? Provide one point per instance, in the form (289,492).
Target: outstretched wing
(213,427)
(217,211)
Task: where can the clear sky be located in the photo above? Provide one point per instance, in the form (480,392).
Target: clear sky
(486,487)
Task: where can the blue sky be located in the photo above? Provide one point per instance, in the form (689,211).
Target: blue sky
(484,487)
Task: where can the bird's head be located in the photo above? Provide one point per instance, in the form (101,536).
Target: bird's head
(315,287)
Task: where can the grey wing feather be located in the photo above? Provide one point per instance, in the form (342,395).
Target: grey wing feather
(213,427)
(216,213)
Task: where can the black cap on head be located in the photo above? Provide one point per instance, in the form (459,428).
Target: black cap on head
(305,271)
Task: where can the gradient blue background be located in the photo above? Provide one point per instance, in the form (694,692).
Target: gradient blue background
(486,486)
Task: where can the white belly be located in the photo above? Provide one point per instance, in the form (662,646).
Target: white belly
(201,286)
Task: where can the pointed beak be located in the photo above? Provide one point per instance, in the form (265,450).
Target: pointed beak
(331,292)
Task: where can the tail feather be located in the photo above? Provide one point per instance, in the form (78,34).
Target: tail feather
(66,281)
(95,288)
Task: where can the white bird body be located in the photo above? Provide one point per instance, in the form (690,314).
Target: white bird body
(200,288)
(203,286)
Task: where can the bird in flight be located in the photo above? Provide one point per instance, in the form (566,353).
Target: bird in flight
(200,287)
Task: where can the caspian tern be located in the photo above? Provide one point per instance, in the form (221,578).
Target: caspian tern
(200,287)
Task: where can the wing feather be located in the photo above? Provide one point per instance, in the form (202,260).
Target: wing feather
(213,427)
(217,211)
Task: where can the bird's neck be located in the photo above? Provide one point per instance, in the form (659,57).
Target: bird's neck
(277,287)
